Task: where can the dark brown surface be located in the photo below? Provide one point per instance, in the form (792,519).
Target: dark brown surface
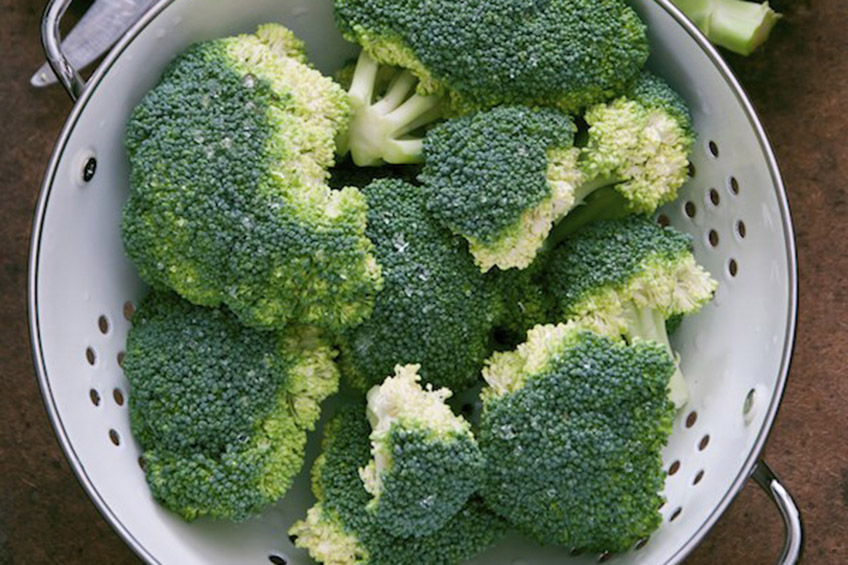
(799,85)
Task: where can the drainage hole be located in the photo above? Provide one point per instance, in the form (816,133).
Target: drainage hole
(741,229)
(129,310)
(691,419)
(698,477)
(705,441)
(103,324)
(713,237)
(90,356)
(277,560)
(714,197)
(118,395)
(94,396)
(713,148)
(734,185)
(89,169)
(674,468)
(732,267)
(114,437)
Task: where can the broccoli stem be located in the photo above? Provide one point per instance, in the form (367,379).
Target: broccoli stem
(648,324)
(379,131)
(737,25)
(594,201)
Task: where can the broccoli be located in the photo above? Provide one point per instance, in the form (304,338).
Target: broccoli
(626,277)
(228,197)
(562,53)
(640,142)
(221,411)
(737,25)
(435,308)
(524,303)
(339,530)
(426,462)
(572,428)
(502,178)
(386,114)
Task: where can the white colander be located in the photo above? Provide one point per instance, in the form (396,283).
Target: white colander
(82,290)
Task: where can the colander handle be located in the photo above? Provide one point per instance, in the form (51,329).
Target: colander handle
(794,534)
(51,40)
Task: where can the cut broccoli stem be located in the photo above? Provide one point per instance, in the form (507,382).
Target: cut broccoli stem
(379,132)
(605,203)
(648,324)
(737,25)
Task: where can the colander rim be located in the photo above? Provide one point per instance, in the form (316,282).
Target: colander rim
(102,71)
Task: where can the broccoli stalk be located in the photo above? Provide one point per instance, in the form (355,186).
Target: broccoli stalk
(379,131)
(649,324)
(737,25)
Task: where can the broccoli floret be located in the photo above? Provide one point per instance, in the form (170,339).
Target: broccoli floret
(563,53)
(572,428)
(221,411)
(503,177)
(640,142)
(426,462)
(435,308)
(228,197)
(737,25)
(626,277)
(339,530)
(387,114)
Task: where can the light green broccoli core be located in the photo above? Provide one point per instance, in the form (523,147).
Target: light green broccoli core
(382,127)
(648,324)
(401,401)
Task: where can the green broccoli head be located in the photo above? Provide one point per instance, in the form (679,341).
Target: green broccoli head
(572,427)
(341,530)
(221,411)
(426,462)
(627,277)
(435,308)
(641,141)
(563,53)
(501,179)
(228,197)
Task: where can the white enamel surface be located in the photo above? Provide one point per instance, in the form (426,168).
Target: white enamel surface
(735,345)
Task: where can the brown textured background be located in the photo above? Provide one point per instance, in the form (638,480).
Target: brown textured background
(799,85)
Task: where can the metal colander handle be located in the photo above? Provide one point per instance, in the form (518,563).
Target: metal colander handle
(794,529)
(51,40)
